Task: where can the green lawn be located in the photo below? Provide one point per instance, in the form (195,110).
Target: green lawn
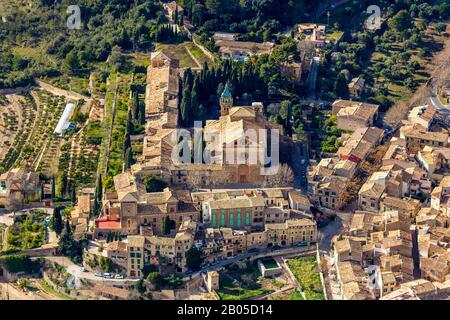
(36,54)
(140,58)
(296,296)
(241,293)
(179,51)
(198,54)
(307,274)
(334,36)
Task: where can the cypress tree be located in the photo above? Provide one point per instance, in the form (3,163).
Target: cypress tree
(201,113)
(66,240)
(53,188)
(175,18)
(100,188)
(130,127)
(98,196)
(73,194)
(142,114)
(42,192)
(195,100)
(128,159)
(57,223)
(134,106)
(96,208)
(186,107)
(165,227)
(126,143)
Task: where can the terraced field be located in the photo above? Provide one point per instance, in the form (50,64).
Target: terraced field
(18,114)
(40,138)
(27,125)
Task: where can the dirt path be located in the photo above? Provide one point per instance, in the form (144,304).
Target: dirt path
(60,92)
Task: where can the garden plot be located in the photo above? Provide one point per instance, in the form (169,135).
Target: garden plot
(39,142)
(27,232)
(307,274)
(84,161)
(248,283)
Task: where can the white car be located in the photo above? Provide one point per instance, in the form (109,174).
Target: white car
(118,276)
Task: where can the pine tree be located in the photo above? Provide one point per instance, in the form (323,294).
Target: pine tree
(193,259)
(71,63)
(125,41)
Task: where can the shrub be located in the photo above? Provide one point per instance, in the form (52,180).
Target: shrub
(20,263)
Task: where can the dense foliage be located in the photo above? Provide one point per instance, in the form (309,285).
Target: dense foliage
(258,79)
(20,263)
(48,47)
(254,19)
(400,43)
(27,232)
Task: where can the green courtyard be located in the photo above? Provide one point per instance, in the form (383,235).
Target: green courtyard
(306,272)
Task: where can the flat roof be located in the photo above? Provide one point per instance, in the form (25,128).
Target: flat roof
(110,224)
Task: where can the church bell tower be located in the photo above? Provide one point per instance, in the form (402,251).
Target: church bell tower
(226,101)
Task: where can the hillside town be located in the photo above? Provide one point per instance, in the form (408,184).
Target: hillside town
(223,165)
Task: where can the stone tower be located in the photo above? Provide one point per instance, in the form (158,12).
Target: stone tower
(226,101)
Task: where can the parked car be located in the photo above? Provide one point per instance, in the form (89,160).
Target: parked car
(97,274)
(83,269)
(302,161)
(118,276)
(276,247)
(107,276)
(302,244)
(253,250)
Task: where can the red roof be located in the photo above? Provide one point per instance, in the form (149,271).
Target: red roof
(108,224)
